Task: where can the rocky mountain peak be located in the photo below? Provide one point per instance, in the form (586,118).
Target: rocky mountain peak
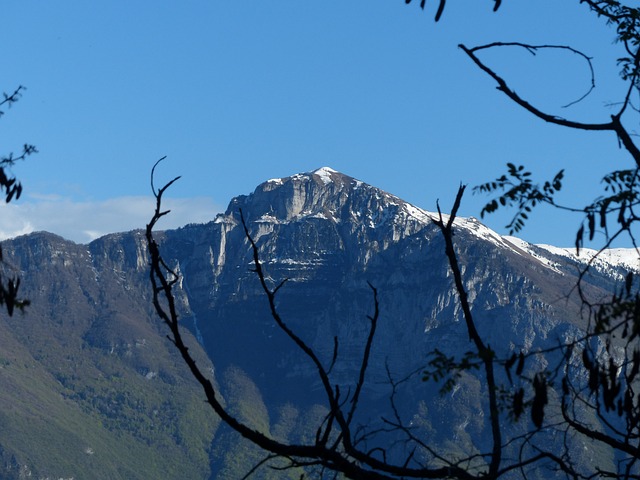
(324,194)
(376,218)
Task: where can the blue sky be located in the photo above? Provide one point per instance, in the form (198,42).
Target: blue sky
(235,93)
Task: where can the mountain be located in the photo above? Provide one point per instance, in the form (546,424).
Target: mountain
(329,235)
(93,389)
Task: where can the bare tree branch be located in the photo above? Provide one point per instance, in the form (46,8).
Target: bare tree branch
(484,352)
(614,125)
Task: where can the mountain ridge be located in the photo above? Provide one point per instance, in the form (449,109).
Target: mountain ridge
(611,258)
(345,184)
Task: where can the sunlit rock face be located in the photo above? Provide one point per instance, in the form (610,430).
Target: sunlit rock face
(330,238)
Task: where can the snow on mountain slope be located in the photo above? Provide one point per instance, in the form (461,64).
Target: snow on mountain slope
(607,261)
(626,258)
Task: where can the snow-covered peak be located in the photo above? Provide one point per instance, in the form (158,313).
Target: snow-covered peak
(326,174)
(327,194)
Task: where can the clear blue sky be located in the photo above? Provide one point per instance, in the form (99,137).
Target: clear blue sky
(235,93)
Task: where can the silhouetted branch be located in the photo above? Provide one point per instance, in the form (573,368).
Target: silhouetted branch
(8,99)
(12,189)
(442,4)
(271,295)
(615,125)
(365,356)
(484,352)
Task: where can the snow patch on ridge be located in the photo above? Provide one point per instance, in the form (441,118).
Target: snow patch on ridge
(277,181)
(627,258)
(325,174)
(526,247)
(418,213)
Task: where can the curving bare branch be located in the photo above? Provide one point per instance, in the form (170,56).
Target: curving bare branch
(614,124)
(442,4)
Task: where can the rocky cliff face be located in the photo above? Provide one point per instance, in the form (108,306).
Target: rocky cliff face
(329,235)
(92,334)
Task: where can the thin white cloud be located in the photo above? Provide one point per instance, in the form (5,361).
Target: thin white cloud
(88,220)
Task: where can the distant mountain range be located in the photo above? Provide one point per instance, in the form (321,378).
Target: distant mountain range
(91,388)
